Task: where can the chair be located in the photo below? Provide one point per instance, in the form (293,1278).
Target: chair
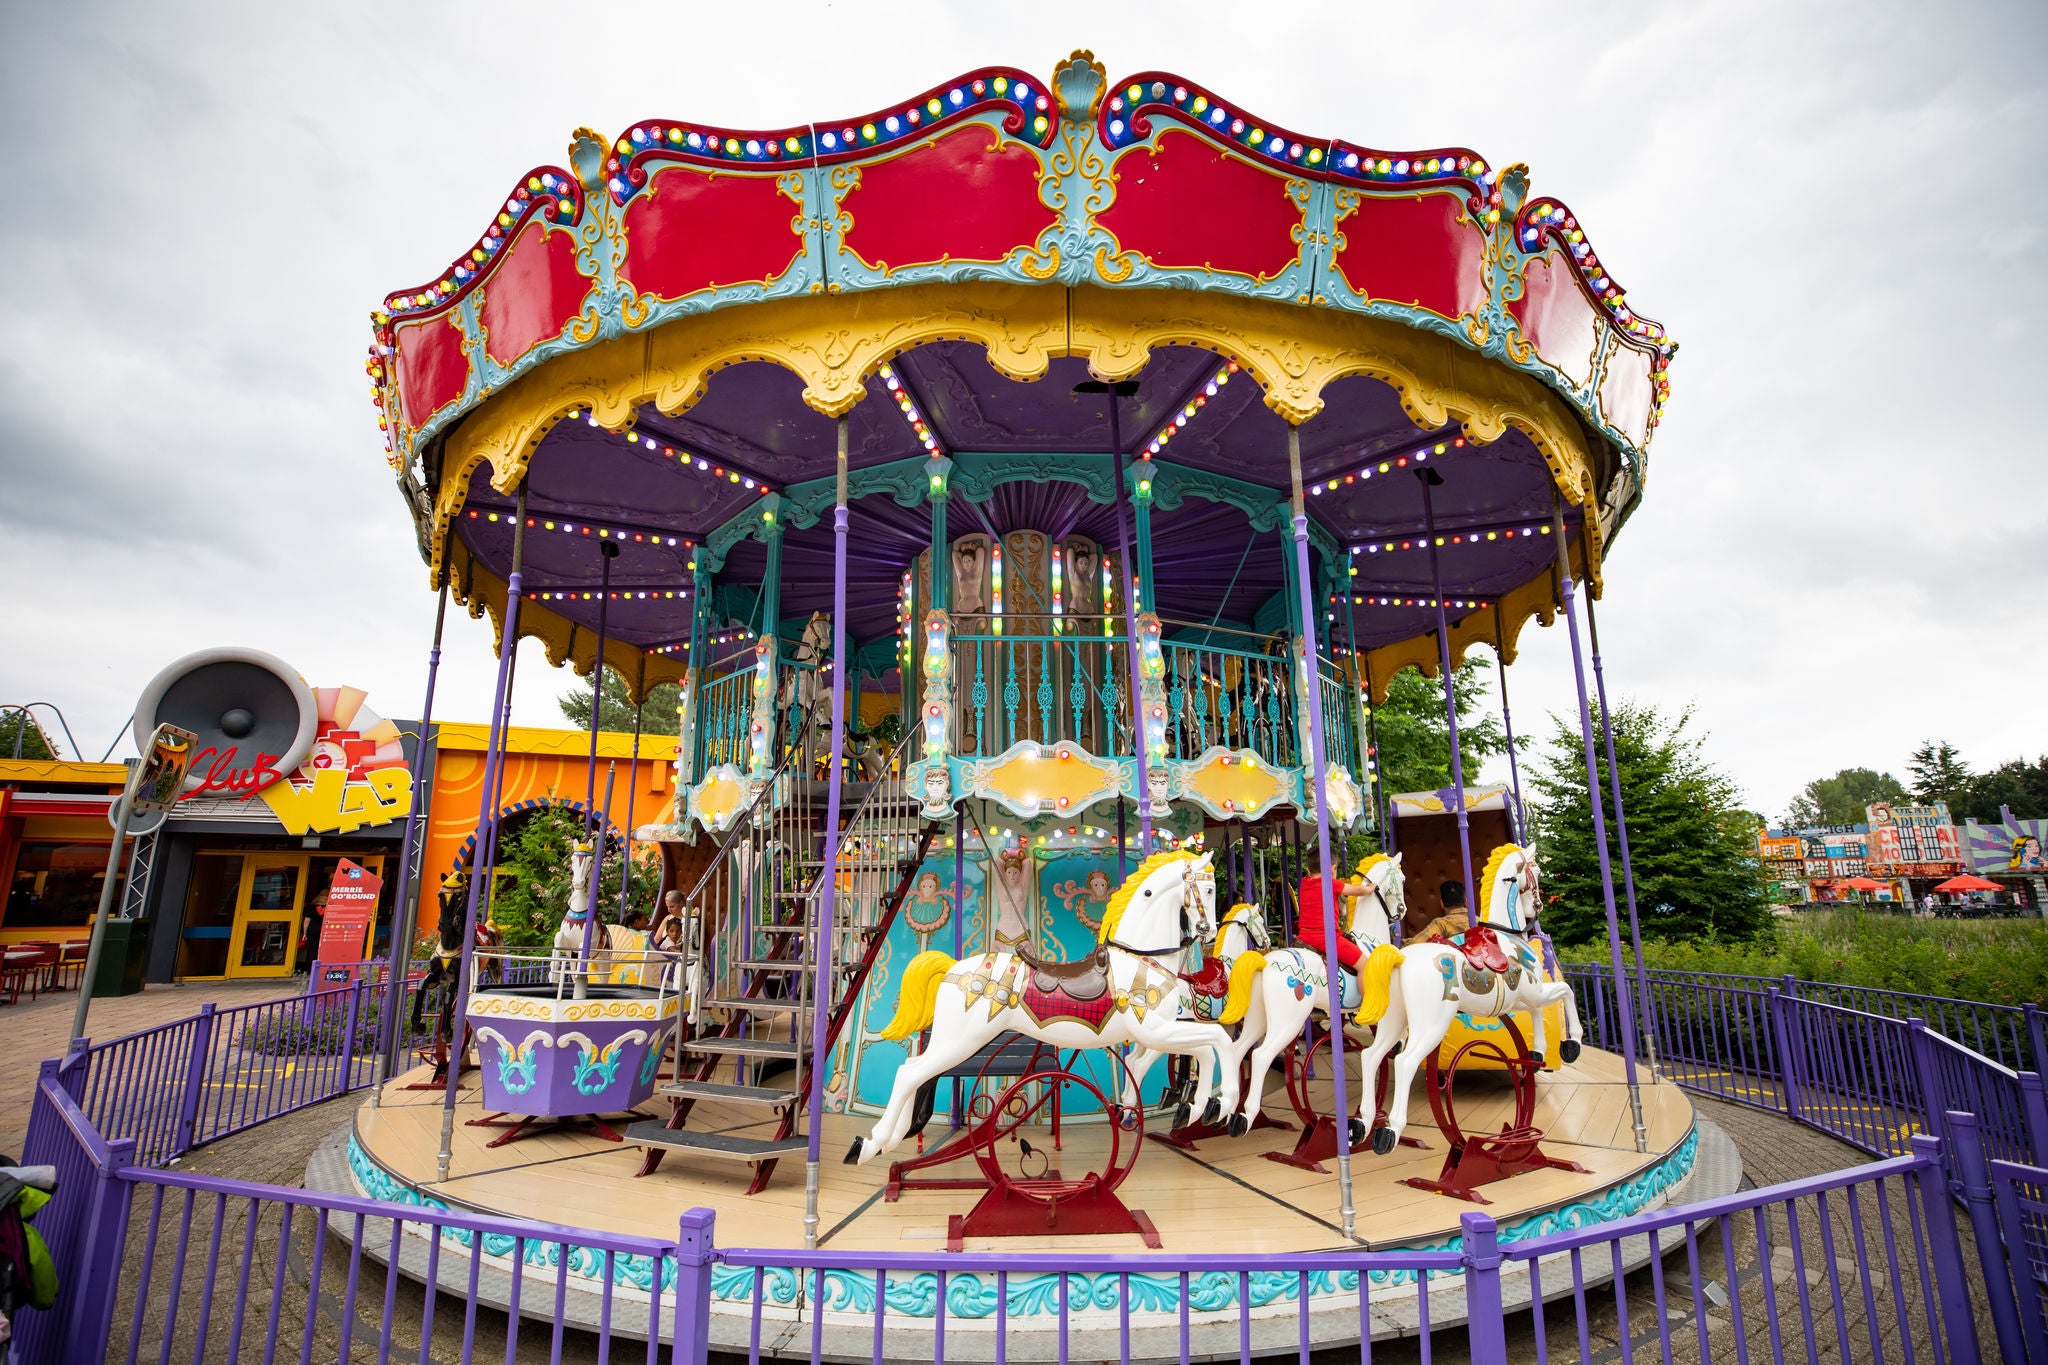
(71,965)
(44,965)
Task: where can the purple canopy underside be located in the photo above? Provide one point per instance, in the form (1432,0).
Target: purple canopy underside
(1208,562)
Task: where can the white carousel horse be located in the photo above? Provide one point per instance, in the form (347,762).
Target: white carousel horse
(1413,994)
(1243,933)
(576,920)
(1275,993)
(1128,990)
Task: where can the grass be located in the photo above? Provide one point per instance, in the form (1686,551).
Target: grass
(2003,962)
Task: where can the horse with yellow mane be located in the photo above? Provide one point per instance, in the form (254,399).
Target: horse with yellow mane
(1128,990)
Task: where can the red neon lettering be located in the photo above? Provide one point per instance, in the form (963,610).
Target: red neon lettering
(221,774)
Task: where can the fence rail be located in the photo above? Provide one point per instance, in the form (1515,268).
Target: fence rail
(1862,1263)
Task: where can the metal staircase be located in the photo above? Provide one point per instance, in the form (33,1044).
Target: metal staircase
(760,904)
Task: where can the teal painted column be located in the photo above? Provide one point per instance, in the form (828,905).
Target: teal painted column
(938,468)
(1140,477)
(771,576)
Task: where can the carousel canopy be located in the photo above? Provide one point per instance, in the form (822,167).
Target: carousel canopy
(659,340)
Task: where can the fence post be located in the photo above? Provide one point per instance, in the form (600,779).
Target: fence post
(1932,1106)
(97,1278)
(1485,1327)
(73,1069)
(1945,1254)
(2034,1107)
(691,1342)
(1781,1040)
(1973,1181)
(197,1063)
(2037,1036)
(347,1080)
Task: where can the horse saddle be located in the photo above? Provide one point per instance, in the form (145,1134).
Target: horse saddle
(1211,978)
(1085,978)
(1482,948)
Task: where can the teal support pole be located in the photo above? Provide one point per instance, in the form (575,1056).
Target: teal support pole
(938,468)
(1140,476)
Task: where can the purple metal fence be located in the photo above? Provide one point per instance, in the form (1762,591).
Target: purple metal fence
(1861,1264)
(1887,1084)
(2015,1036)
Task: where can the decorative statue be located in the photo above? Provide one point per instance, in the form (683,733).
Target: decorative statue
(970,577)
(1010,888)
(1128,990)
(1275,993)
(1413,994)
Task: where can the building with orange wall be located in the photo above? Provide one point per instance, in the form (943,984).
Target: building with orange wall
(545,767)
(226,889)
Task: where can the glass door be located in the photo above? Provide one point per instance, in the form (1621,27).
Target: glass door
(267,919)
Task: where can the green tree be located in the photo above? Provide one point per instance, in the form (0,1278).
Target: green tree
(531,892)
(2017,784)
(1939,774)
(1415,738)
(16,725)
(1839,800)
(657,713)
(1693,844)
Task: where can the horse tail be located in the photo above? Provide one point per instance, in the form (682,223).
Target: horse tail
(1244,975)
(917,1000)
(1377,982)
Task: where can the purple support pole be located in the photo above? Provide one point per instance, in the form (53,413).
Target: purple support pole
(1623,1007)
(1500,647)
(821,989)
(1429,479)
(406,914)
(1332,973)
(606,552)
(508,645)
(632,790)
(603,817)
(1628,873)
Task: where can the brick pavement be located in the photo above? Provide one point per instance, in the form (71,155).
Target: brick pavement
(33,1030)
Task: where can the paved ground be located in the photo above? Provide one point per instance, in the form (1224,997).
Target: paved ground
(1769,1286)
(33,1030)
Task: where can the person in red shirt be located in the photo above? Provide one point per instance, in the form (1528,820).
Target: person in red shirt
(1308,918)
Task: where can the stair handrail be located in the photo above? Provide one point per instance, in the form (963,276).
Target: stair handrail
(745,822)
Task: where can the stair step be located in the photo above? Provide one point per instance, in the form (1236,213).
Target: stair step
(736,1094)
(746,1047)
(652,1133)
(760,1006)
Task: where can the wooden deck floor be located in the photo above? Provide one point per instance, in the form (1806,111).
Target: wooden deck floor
(1226,1190)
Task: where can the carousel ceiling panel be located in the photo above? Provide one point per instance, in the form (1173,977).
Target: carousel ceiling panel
(580,471)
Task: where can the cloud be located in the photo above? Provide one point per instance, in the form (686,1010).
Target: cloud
(1834,207)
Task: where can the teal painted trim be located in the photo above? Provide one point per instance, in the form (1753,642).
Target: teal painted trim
(978,473)
(972,1295)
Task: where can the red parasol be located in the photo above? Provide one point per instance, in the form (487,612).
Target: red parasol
(1862,884)
(1968,881)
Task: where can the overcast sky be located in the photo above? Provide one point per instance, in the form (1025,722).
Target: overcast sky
(1836,209)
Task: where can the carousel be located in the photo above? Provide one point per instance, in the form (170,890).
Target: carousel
(1032,488)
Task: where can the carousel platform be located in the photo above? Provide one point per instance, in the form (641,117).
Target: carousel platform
(578,1179)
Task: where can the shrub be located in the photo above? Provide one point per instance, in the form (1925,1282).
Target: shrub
(2001,962)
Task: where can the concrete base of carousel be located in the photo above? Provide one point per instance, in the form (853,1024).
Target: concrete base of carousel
(1701,1164)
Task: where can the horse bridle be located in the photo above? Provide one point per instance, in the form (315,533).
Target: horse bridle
(1188,881)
